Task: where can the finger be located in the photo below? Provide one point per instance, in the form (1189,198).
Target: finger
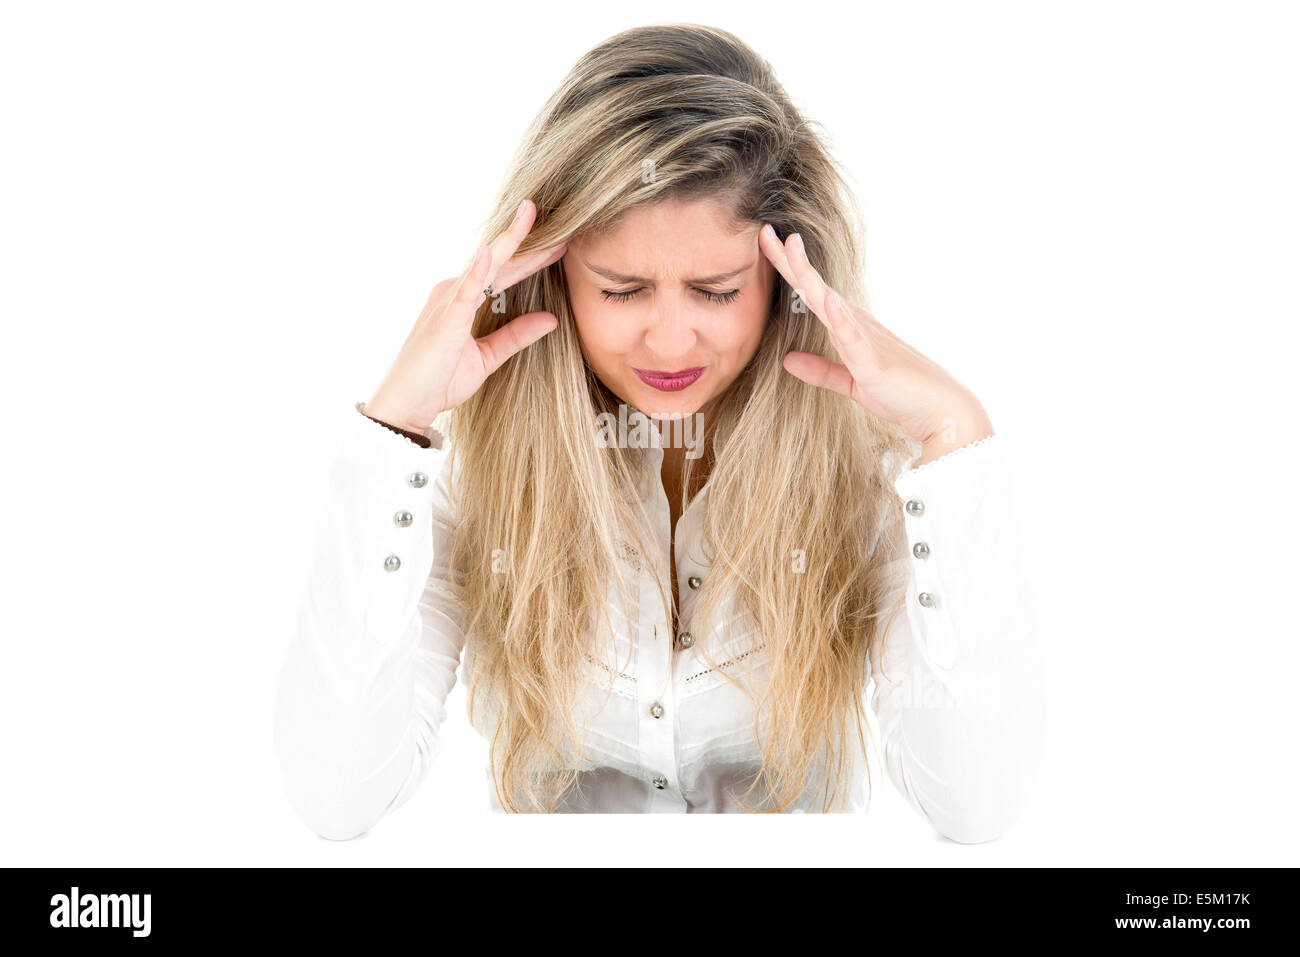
(508,269)
(780,256)
(820,296)
(865,353)
(519,333)
(774,250)
(791,260)
(468,294)
(522,266)
(819,371)
(504,246)
(537,259)
(793,265)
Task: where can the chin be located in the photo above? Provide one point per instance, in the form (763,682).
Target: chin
(665,405)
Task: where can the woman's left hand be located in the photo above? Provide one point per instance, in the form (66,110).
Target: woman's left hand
(881,372)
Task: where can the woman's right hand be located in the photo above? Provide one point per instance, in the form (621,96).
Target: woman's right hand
(441,364)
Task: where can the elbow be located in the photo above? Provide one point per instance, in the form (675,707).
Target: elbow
(988,803)
(977,821)
(978,810)
(972,794)
(331,819)
(335,801)
(991,783)
(326,756)
(327,798)
(329,782)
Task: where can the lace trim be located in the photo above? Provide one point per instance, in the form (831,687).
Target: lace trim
(602,664)
(728,662)
(630,554)
(430,438)
(957,451)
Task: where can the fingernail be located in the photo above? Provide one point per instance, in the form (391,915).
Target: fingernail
(519,212)
(798,244)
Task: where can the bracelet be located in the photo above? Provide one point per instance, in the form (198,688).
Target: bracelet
(419,439)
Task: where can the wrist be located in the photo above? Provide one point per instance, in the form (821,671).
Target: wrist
(392,414)
(419,436)
(955,432)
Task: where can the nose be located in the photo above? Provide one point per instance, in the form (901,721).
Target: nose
(672,330)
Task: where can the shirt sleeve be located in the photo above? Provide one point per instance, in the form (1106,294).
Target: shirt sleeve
(958,681)
(362,692)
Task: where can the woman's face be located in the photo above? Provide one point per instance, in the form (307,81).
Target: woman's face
(672,289)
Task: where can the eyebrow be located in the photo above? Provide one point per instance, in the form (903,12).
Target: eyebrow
(618,277)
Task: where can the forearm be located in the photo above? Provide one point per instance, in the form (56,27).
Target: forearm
(959,685)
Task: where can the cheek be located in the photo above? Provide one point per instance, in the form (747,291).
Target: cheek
(740,334)
(604,337)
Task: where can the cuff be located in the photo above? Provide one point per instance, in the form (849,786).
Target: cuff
(394,484)
(952,509)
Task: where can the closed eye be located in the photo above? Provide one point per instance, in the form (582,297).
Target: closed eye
(718,297)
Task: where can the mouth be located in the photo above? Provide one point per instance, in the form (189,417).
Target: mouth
(669,381)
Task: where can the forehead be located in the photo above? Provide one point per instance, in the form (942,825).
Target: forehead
(673,236)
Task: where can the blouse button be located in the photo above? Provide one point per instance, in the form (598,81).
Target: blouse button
(392,563)
(921,550)
(403,518)
(658,710)
(693,582)
(915,507)
(926,599)
(687,639)
(417,479)
(660,782)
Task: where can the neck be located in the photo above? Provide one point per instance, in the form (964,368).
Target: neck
(683,440)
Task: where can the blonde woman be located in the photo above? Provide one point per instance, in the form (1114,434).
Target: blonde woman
(699,526)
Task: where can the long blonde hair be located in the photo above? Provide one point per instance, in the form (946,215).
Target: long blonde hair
(657,112)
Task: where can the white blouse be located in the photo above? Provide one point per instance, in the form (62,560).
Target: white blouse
(959,700)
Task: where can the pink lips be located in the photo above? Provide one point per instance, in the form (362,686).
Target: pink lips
(669,381)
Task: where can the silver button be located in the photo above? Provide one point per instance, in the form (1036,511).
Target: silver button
(403,518)
(921,550)
(660,782)
(417,480)
(392,563)
(926,599)
(915,507)
(687,639)
(693,582)
(658,710)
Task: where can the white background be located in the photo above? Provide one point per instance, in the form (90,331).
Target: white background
(220,220)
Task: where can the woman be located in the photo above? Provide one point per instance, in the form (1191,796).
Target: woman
(667,625)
